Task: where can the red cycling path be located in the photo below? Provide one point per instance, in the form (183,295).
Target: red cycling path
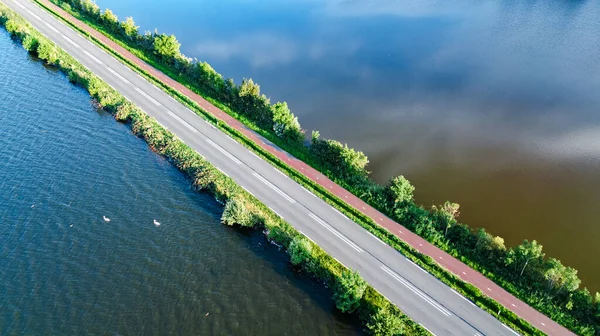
(452,264)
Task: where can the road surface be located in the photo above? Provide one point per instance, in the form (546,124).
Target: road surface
(417,293)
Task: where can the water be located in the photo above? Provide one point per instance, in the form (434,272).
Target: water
(489,104)
(65,271)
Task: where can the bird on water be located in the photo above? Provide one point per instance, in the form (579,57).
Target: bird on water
(157,223)
(106,219)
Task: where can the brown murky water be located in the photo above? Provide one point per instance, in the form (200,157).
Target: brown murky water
(493,104)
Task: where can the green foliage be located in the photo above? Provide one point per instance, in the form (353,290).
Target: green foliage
(30,43)
(110,19)
(241,208)
(348,291)
(47,51)
(399,192)
(166,46)
(385,323)
(300,250)
(483,252)
(524,254)
(285,124)
(338,158)
(129,27)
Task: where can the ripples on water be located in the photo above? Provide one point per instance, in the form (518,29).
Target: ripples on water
(491,104)
(64,271)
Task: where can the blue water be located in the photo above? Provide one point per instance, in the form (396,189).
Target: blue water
(490,104)
(65,271)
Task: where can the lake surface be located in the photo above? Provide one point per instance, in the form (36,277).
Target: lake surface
(493,104)
(65,271)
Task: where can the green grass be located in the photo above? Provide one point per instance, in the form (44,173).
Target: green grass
(203,175)
(469,291)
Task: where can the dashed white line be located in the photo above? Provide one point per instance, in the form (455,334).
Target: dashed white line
(188,126)
(220,149)
(18,4)
(416,291)
(33,14)
(116,74)
(51,27)
(512,331)
(71,41)
(335,232)
(92,57)
(272,186)
(147,96)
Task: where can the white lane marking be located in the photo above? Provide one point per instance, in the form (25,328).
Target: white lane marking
(188,126)
(309,192)
(147,96)
(416,291)
(341,214)
(220,149)
(255,155)
(92,57)
(276,213)
(50,26)
(280,172)
(71,41)
(213,126)
(417,266)
(426,329)
(335,232)
(18,4)
(379,240)
(543,323)
(512,331)
(222,172)
(33,14)
(272,186)
(248,191)
(116,74)
(304,234)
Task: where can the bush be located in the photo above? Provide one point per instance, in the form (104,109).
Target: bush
(300,250)
(385,323)
(348,291)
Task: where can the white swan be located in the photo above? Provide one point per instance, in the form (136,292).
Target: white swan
(106,219)
(157,223)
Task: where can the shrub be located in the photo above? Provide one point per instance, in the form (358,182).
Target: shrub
(300,250)
(385,323)
(348,291)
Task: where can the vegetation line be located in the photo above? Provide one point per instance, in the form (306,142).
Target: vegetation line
(543,283)
(350,292)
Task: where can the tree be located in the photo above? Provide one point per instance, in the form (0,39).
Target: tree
(385,323)
(285,124)
(399,191)
(524,254)
(447,215)
(299,250)
(348,291)
(166,46)
(560,277)
(597,304)
(129,27)
(109,19)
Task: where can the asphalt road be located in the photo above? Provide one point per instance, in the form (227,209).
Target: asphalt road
(420,295)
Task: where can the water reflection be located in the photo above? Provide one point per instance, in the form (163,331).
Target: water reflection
(490,104)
